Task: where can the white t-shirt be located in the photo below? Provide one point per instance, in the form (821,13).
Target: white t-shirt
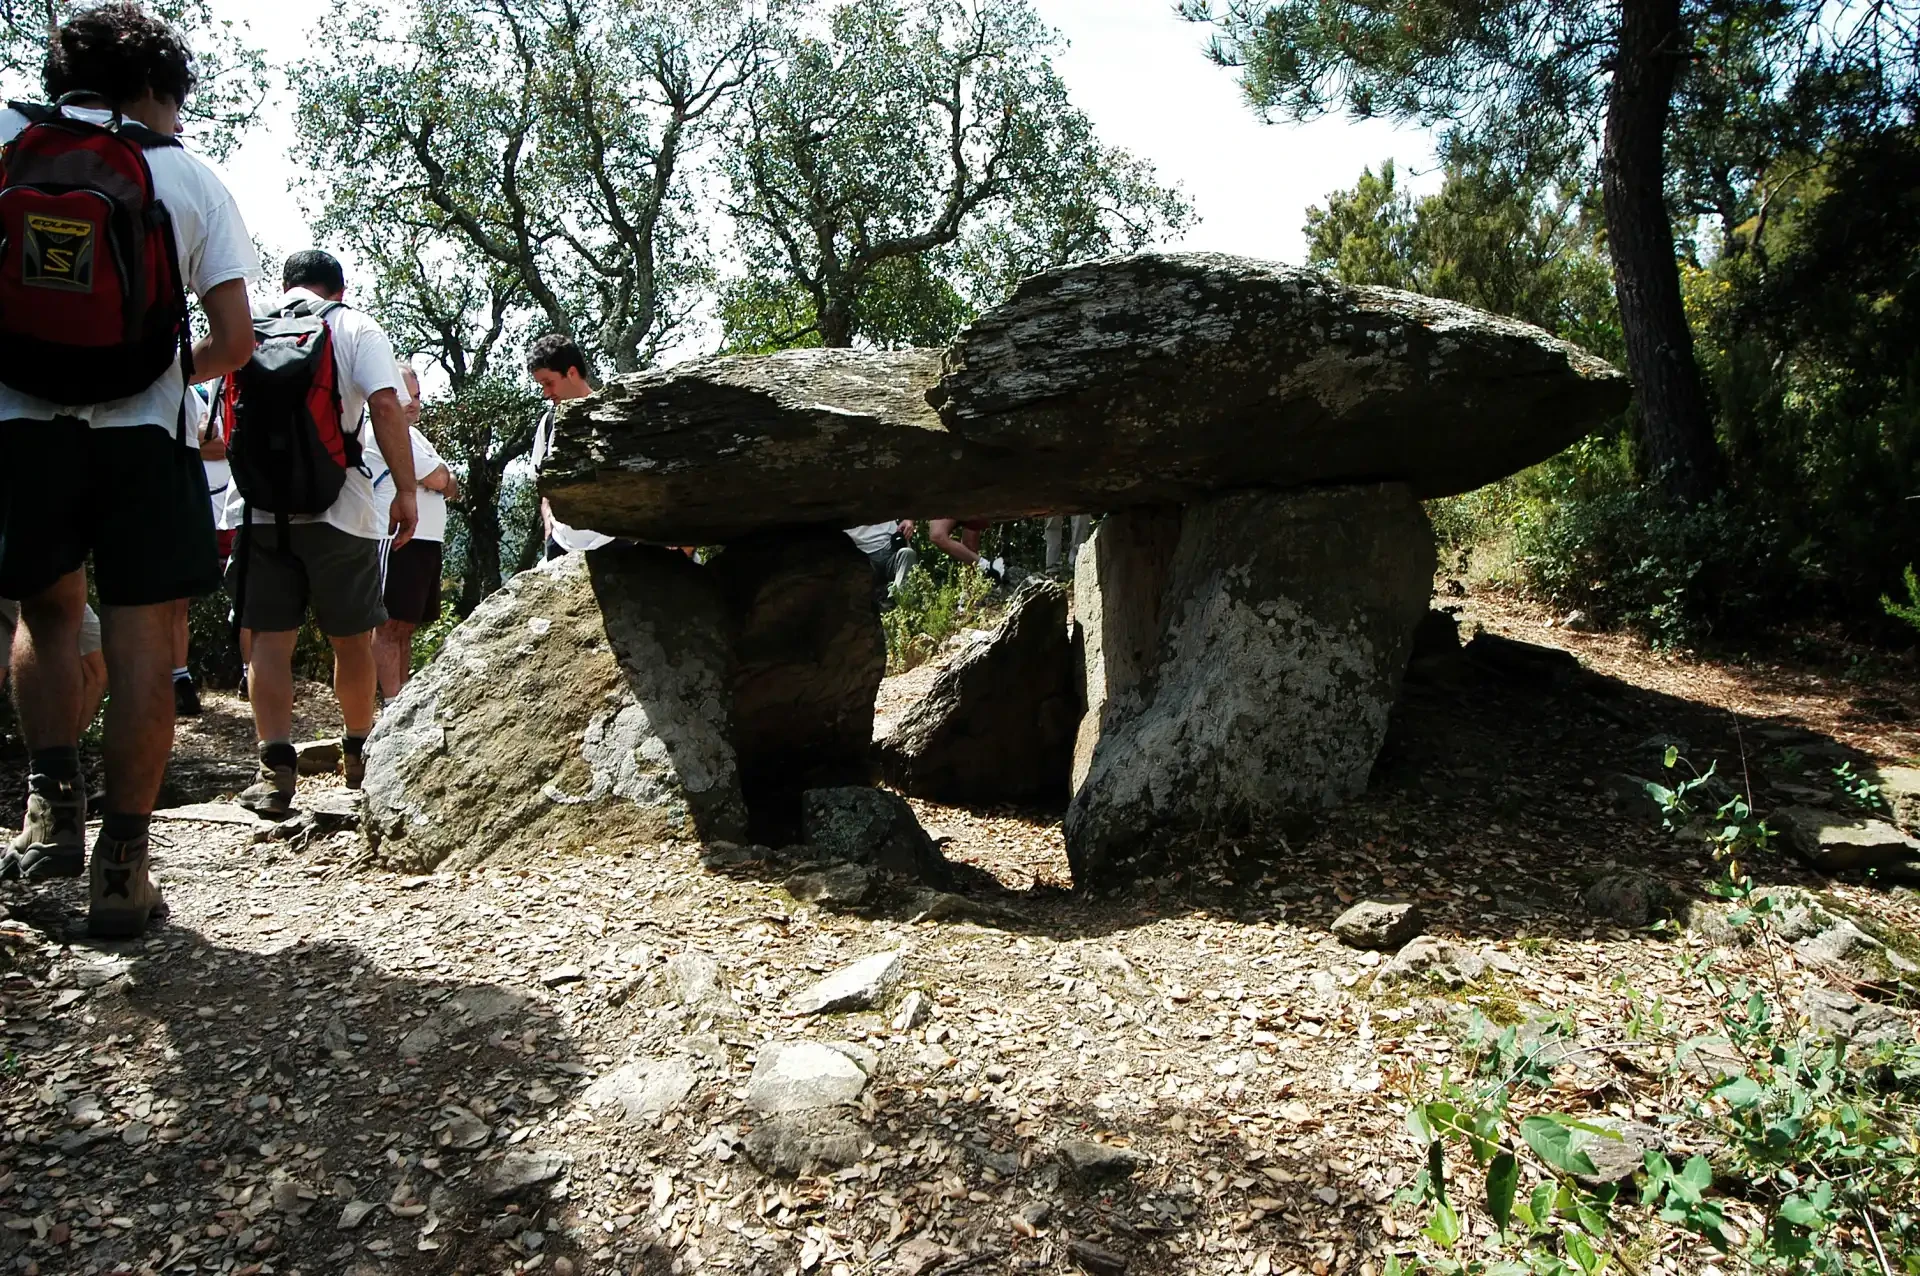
(219,473)
(574,540)
(214,249)
(432,504)
(363,359)
(874,537)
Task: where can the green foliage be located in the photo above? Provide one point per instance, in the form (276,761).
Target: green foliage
(1908,611)
(537,146)
(927,611)
(904,303)
(1734,826)
(428,639)
(1823,1139)
(1496,236)
(904,161)
(1629,557)
(1859,790)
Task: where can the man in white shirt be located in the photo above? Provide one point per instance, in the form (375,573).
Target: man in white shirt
(560,370)
(889,547)
(413,570)
(329,561)
(115,481)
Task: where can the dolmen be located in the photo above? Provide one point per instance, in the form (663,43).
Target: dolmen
(1257,438)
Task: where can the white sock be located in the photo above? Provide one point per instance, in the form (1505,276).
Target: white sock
(181,674)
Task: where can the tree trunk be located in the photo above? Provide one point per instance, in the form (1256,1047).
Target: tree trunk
(483,534)
(1673,405)
(835,321)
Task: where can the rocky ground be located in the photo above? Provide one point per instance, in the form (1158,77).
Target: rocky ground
(623,1063)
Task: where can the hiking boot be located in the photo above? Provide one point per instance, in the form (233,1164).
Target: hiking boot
(354,767)
(272,794)
(54,841)
(186,698)
(121,898)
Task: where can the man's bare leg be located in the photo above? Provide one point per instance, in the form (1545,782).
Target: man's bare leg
(48,686)
(140,718)
(393,656)
(270,684)
(93,688)
(47,696)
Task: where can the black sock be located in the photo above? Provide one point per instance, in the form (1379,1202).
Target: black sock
(62,766)
(124,828)
(279,754)
(353,744)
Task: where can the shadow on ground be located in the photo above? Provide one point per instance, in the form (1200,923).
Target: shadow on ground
(207,1106)
(1500,795)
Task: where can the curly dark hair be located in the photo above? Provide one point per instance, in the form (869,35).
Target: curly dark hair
(118,51)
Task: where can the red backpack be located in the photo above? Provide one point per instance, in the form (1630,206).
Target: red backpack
(287,446)
(92,303)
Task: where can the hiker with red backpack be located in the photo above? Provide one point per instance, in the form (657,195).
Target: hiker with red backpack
(106,223)
(303,465)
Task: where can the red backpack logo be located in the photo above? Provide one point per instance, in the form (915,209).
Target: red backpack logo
(92,303)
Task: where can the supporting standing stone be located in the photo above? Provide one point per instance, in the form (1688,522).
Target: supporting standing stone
(809,655)
(584,704)
(998,723)
(1284,622)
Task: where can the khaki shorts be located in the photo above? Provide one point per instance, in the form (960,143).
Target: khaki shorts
(89,624)
(334,572)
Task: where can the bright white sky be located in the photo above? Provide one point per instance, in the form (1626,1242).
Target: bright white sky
(1134,67)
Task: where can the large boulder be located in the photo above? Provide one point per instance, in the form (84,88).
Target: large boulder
(809,655)
(584,704)
(1153,379)
(998,723)
(1284,625)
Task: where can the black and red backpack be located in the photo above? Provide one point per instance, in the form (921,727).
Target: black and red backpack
(287,446)
(92,303)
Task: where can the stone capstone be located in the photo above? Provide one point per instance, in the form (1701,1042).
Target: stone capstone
(585,704)
(871,827)
(1151,379)
(999,721)
(1281,625)
(1377,924)
(800,1076)
(809,655)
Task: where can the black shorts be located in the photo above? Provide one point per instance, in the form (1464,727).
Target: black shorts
(335,572)
(413,582)
(131,497)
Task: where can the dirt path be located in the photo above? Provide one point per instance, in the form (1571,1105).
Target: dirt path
(318,1067)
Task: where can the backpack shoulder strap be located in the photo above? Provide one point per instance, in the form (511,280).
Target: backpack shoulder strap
(145,138)
(34,112)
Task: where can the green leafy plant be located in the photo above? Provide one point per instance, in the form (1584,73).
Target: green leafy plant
(1858,789)
(926,612)
(1817,1139)
(1735,826)
(1908,611)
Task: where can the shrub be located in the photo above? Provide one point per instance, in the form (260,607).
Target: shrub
(926,611)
